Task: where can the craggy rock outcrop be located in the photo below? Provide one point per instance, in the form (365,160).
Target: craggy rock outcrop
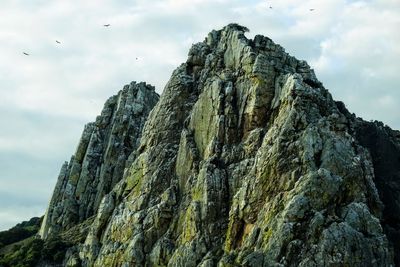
(100,158)
(383,144)
(246,160)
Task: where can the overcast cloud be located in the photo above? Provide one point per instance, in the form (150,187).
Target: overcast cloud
(47,97)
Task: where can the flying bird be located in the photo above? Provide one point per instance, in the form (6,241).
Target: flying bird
(270,7)
(26,54)
(106,25)
(311,9)
(58,42)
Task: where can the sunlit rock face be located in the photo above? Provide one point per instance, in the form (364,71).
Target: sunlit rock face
(100,158)
(246,160)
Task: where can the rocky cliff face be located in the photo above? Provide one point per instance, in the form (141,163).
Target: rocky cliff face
(246,160)
(384,146)
(100,158)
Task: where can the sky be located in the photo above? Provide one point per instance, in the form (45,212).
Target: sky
(48,96)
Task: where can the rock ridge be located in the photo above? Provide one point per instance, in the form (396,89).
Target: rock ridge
(100,158)
(246,160)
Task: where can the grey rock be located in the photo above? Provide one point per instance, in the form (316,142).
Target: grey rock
(246,160)
(100,158)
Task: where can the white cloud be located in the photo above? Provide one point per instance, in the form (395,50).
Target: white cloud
(48,96)
(12,215)
(359,61)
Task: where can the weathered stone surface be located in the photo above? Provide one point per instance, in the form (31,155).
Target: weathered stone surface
(246,160)
(383,144)
(100,158)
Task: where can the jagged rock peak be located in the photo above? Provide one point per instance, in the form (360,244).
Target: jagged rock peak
(100,158)
(235,27)
(246,160)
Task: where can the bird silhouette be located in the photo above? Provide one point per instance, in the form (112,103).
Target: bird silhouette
(270,7)
(58,42)
(26,54)
(106,25)
(311,9)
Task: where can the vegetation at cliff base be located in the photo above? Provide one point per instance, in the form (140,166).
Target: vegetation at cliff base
(20,232)
(33,251)
(19,246)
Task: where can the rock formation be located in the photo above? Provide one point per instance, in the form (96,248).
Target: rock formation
(246,160)
(100,158)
